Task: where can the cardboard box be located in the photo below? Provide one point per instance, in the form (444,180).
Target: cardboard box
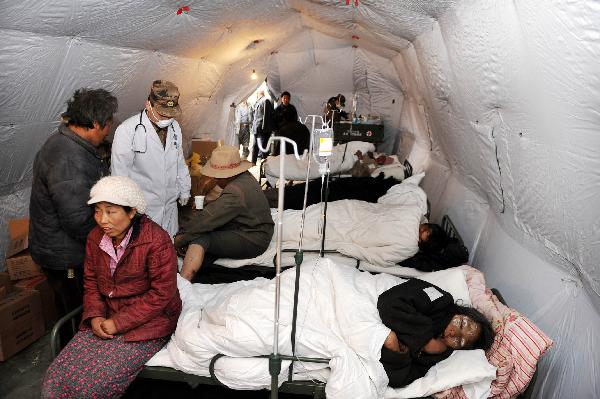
(6,286)
(21,322)
(41,285)
(18,260)
(204,148)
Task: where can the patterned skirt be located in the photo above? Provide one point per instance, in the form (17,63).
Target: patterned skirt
(91,367)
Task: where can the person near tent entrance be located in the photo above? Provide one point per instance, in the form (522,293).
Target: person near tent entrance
(148,148)
(293,129)
(262,125)
(284,106)
(64,171)
(243,117)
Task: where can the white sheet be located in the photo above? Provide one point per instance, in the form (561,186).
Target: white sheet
(337,319)
(379,234)
(342,159)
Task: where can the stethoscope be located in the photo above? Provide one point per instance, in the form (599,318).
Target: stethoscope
(137,147)
(140,123)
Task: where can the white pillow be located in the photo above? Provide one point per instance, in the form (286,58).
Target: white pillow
(452,280)
(461,368)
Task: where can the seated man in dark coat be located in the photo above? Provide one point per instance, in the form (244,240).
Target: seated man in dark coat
(426,327)
(236,225)
(293,130)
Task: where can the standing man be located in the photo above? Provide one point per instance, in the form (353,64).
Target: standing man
(64,171)
(243,116)
(284,106)
(147,148)
(262,124)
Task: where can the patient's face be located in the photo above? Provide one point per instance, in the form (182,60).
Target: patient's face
(424,232)
(462,332)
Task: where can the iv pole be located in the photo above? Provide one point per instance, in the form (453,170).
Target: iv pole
(275,358)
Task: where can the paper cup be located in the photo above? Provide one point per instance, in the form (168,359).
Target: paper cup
(199,201)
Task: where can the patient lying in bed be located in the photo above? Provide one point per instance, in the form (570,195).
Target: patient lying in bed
(338,319)
(426,327)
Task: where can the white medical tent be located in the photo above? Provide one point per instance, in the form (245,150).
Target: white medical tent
(497,101)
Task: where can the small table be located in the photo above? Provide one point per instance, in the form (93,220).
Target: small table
(348,131)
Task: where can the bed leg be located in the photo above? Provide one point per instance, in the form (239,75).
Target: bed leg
(319,392)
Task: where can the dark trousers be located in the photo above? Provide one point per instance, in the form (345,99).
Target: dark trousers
(244,138)
(68,294)
(264,137)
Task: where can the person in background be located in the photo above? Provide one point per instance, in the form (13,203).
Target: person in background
(236,225)
(331,113)
(64,171)
(147,147)
(284,107)
(340,103)
(243,116)
(425,327)
(262,124)
(131,302)
(293,129)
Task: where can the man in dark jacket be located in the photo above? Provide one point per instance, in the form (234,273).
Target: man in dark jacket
(262,125)
(64,170)
(284,106)
(293,129)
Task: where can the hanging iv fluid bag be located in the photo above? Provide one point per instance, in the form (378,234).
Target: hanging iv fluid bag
(322,147)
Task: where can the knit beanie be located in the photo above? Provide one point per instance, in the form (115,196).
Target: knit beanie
(118,190)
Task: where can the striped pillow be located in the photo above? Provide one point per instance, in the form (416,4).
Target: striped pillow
(517,347)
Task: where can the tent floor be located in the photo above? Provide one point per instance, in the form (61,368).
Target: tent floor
(21,378)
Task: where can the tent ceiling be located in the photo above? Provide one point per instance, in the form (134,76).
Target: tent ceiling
(219,31)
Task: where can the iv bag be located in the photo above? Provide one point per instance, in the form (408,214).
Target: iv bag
(322,145)
(322,148)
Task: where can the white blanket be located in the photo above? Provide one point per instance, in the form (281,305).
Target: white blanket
(379,234)
(337,319)
(342,160)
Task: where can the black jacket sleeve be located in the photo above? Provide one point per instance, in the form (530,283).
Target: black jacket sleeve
(69,189)
(415,311)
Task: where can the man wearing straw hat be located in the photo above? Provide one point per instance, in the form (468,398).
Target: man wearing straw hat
(236,225)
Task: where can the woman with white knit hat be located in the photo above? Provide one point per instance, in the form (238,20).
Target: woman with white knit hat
(130,303)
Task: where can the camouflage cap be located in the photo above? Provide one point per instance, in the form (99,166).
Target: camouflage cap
(164,97)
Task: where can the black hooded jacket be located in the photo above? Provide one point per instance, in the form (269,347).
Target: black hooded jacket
(416,311)
(64,171)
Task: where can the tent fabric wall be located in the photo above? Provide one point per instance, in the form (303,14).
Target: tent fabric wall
(497,101)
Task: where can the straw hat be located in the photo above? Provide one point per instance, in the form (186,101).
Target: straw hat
(225,162)
(118,190)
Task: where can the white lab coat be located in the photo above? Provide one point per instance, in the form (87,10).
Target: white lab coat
(160,172)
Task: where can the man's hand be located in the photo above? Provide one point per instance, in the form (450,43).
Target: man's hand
(435,347)
(97,329)
(392,343)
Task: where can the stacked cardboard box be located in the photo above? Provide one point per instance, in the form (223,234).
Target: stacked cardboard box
(203,148)
(21,321)
(41,285)
(27,305)
(18,260)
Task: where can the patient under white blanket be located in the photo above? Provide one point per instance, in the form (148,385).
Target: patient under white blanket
(379,234)
(337,319)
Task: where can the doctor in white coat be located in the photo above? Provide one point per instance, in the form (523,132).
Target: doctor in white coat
(148,148)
